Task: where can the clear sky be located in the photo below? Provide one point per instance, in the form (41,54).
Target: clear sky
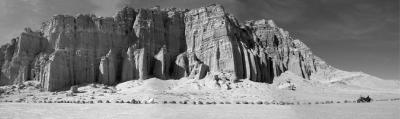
(353,35)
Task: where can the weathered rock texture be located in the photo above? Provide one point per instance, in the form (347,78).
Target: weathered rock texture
(144,43)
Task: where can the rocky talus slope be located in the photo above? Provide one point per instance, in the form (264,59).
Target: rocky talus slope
(138,44)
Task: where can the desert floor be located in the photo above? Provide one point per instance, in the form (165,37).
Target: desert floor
(375,110)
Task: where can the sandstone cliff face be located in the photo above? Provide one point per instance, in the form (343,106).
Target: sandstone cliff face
(144,43)
(17,57)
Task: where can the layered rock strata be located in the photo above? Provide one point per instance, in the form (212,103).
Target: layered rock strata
(137,44)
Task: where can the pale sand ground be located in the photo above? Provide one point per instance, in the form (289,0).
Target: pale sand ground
(307,91)
(375,110)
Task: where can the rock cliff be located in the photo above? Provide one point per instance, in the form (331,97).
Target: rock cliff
(137,44)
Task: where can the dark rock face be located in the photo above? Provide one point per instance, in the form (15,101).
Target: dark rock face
(144,43)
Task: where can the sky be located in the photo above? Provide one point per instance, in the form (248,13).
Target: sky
(352,35)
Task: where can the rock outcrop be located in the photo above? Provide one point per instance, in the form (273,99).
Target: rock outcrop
(137,44)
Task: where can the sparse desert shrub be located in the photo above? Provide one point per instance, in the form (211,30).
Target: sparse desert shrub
(317,102)
(193,103)
(266,103)
(74,89)
(70,94)
(99,101)
(172,102)
(364,99)
(165,102)
(252,103)
(108,101)
(237,102)
(245,102)
(221,102)
(200,103)
(18,100)
(208,103)
(338,102)
(227,102)
(122,101)
(2,91)
(133,101)
(91,102)
(259,102)
(281,103)
(298,103)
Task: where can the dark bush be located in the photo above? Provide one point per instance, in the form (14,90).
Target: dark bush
(364,99)
(227,102)
(259,102)
(133,101)
(172,102)
(200,103)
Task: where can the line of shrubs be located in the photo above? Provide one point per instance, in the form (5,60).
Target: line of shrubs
(133,101)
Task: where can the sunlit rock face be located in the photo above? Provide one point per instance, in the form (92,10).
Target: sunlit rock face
(137,44)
